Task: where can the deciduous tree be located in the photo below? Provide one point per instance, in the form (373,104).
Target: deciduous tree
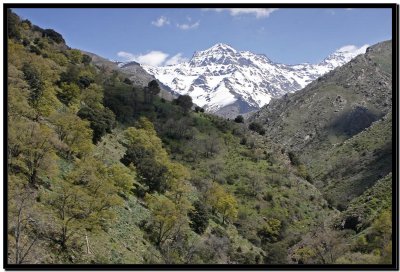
(222,202)
(166,216)
(74,132)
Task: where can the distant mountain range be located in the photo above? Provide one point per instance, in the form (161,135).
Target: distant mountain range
(228,82)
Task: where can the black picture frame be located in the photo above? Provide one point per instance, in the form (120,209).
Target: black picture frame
(363,267)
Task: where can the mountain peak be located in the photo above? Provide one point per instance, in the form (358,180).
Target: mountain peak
(343,55)
(221,46)
(219,53)
(221,77)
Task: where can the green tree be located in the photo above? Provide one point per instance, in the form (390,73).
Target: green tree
(185,102)
(40,76)
(254,184)
(13,21)
(52,34)
(153,174)
(83,201)
(69,93)
(257,127)
(36,84)
(93,96)
(199,217)
(270,230)
(166,216)
(239,119)
(144,150)
(321,246)
(23,222)
(69,203)
(304,254)
(212,145)
(221,202)
(101,121)
(86,59)
(227,207)
(153,88)
(71,75)
(36,151)
(123,178)
(381,235)
(216,167)
(74,132)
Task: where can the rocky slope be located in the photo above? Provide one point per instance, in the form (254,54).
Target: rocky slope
(329,124)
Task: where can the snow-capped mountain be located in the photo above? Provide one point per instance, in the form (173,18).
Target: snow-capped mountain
(229,82)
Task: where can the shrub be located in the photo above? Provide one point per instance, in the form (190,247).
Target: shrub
(86,59)
(34,49)
(239,119)
(257,127)
(55,36)
(199,217)
(84,82)
(101,121)
(185,102)
(127,81)
(13,25)
(294,159)
(270,231)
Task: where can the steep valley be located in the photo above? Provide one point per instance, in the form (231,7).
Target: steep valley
(106,165)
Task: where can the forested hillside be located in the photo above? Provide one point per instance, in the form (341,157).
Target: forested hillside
(101,170)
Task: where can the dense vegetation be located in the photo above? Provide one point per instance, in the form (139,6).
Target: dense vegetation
(101,171)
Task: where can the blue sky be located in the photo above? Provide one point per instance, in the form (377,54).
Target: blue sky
(165,36)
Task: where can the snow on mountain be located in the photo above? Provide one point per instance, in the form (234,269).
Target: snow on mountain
(221,76)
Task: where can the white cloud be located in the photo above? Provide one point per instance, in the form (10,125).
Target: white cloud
(126,56)
(153,58)
(348,9)
(160,22)
(176,59)
(188,25)
(353,49)
(258,12)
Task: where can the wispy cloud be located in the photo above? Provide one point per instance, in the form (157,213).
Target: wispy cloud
(348,9)
(160,21)
(188,26)
(258,12)
(153,58)
(178,58)
(126,56)
(353,49)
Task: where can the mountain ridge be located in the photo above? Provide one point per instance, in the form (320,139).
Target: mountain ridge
(327,122)
(221,77)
